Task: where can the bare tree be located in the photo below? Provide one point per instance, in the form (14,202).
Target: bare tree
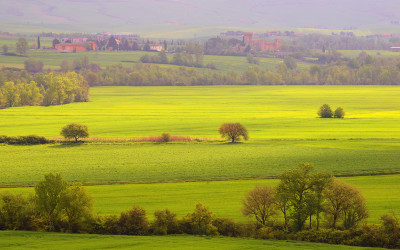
(260,203)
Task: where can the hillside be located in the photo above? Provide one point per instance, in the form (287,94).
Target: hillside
(189,18)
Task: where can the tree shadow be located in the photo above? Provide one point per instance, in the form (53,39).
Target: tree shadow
(67,145)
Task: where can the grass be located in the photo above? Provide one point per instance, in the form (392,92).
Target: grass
(223,197)
(37,240)
(153,162)
(268,112)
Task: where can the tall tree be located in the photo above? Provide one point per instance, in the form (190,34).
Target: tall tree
(38,42)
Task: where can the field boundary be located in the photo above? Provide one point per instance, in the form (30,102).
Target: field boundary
(350,174)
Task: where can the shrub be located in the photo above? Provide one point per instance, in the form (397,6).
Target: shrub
(3,139)
(33,66)
(165,137)
(23,140)
(199,222)
(325,111)
(134,222)
(339,113)
(227,227)
(165,222)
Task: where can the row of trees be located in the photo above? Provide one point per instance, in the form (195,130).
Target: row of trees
(300,195)
(45,89)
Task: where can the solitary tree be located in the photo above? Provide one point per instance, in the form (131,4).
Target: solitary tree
(22,46)
(325,111)
(233,131)
(339,113)
(260,203)
(38,42)
(75,131)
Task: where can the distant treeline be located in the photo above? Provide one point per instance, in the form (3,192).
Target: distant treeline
(364,70)
(314,207)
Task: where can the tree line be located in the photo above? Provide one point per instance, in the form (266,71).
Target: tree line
(43,89)
(314,207)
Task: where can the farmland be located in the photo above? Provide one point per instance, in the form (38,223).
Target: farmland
(284,130)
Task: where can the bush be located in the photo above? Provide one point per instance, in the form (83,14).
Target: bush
(339,113)
(33,66)
(165,222)
(227,227)
(23,140)
(325,111)
(165,137)
(199,222)
(134,222)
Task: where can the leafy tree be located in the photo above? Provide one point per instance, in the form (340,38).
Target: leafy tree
(163,57)
(165,222)
(64,66)
(339,113)
(134,221)
(233,131)
(5,49)
(321,181)
(48,195)
(77,205)
(344,202)
(92,79)
(55,41)
(33,66)
(22,46)
(325,111)
(75,131)
(260,203)
(296,186)
(290,62)
(10,95)
(200,221)
(13,208)
(112,43)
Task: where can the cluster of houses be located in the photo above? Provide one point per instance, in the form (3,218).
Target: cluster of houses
(74,44)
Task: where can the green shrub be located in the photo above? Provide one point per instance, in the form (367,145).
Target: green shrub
(200,222)
(134,222)
(23,140)
(227,227)
(3,139)
(165,223)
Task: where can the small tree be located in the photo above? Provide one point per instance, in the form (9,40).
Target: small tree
(165,137)
(325,111)
(260,203)
(339,113)
(5,49)
(134,221)
(22,46)
(233,131)
(75,131)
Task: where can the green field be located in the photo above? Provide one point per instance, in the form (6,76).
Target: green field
(36,240)
(52,59)
(223,197)
(282,123)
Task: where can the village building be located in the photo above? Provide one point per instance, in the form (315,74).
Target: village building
(156,47)
(71,47)
(261,44)
(74,39)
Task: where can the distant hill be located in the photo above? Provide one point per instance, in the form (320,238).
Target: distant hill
(152,17)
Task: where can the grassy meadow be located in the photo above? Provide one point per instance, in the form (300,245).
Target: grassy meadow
(39,240)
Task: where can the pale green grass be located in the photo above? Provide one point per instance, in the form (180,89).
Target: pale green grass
(37,240)
(382,194)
